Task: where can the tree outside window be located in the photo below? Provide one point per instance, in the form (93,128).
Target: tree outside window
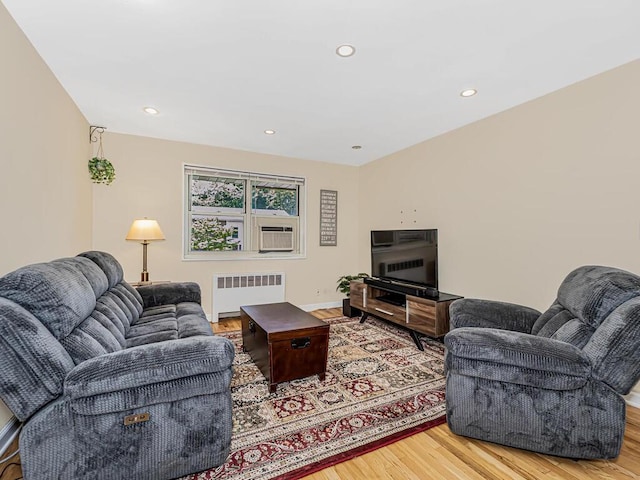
(210,234)
(280,199)
(227,210)
(217,192)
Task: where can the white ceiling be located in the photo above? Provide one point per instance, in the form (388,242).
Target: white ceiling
(221,72)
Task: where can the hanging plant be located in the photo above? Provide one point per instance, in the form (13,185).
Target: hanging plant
(101,170)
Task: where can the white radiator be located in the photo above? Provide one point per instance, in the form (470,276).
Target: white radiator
(233,290)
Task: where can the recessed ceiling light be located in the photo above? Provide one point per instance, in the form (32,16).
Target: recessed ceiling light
(345,50)
(470,92)
(151,110)
(356,147)
(270,132)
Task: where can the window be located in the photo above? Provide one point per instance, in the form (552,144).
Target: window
(232,214)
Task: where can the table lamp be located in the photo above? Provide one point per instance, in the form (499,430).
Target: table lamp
(145,231)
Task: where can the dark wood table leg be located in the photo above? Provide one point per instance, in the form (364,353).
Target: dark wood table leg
(364,317)
(273,387)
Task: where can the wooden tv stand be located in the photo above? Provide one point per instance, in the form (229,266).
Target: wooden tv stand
(429,316)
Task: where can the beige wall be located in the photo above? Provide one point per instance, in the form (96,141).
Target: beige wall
(522,197)
(45,192)
(519,198)
(149,183)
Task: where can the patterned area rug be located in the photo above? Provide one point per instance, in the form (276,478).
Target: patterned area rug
(379,388)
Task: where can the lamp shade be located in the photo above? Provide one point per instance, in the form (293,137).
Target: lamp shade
(145,230)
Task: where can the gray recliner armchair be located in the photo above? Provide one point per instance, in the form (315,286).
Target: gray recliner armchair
(111,382)
(550,382)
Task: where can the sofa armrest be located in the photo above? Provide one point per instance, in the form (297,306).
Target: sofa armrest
(515,357)
(169,293)
(151,373)
(471,312)
(33,361)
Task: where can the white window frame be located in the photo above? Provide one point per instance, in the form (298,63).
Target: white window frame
(251,220)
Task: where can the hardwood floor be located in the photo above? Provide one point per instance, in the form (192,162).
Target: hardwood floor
(10,469)
(233,323)
(439,454)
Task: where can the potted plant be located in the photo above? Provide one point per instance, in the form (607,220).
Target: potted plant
(101,170)
(344,286)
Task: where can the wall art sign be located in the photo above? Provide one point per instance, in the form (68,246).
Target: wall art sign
(328,218)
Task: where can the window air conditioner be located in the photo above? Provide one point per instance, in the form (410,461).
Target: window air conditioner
(276,239)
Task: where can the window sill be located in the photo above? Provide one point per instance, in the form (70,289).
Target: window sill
(231,256)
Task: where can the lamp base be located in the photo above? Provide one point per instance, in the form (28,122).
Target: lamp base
(144,277)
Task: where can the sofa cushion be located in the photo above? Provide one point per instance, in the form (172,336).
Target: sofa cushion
(90,339)
(161,325)
(107,307)
(157,316)
(169,293)
(61,293)
(157,313)
(591,293)
(192,325)
(586,298)
(129,297)
(159,310)
(614,348)
(153,337)
(186,319)
(560,324)
(125,314)
(34,364)
(108,264)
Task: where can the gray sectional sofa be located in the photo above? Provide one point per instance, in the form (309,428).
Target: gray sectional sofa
(111,382)
(549,382)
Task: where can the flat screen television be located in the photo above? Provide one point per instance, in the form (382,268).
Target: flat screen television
(409,256)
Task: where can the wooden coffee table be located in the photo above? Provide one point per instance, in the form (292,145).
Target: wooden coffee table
(285,342)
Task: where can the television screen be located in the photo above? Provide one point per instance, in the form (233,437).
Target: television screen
(409,256)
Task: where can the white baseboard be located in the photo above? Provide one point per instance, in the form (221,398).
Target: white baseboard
(318,306)
(306,308)
(633,399)
(8,434)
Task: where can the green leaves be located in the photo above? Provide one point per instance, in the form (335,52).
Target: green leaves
(344,282)
(210,234)
(274,198)
(101,171)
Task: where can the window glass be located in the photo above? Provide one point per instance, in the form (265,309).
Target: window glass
(234,215)
(215,192)
(211,233)
(271,200)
